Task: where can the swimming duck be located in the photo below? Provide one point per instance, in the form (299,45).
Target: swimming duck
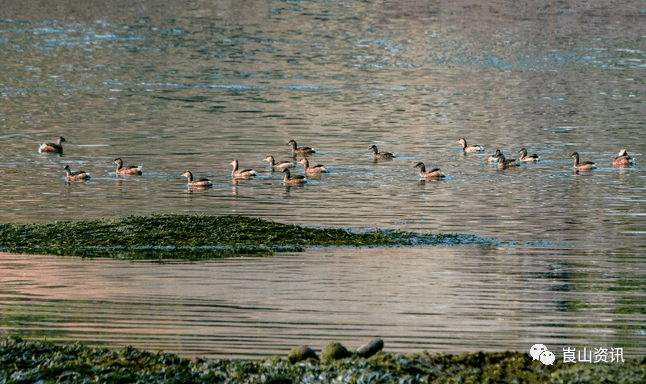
(77,175)
(313,170)
(494,158)
(241,173)
(128,170)
(198,182)
(380,155)
(470,148)
(49,147)
(433,173)
(588,165)
(503,163)
(293,180)
(280,165)
(300,151)
(623,160)
(527,158)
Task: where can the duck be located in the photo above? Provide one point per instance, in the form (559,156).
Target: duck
(527,158)
(470,148)
(293,180)
(494,158)
(503,163)
(313,170)
(241,173)
(623,160)
(280,165)
(300,151)
(76,175)
(49,147)
(433,173)
(381,155)
(588,165)
(197,182)
(128,170)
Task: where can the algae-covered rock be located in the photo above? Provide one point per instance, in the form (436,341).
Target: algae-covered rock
(334,351)
(370,348)
(301,353)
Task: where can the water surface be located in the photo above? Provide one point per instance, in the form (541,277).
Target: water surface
(193,87)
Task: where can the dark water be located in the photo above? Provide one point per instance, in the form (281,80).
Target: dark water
(193,86)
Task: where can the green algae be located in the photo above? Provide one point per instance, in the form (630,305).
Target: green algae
(194,237)
(334,351)
(46,362)
(301,353)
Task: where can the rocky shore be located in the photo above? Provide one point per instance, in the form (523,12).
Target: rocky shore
(47,362)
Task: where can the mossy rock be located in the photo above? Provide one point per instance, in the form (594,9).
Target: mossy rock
(334,351)
(301,353)
(370,348)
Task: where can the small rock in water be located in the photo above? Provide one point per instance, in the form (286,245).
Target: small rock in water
(372,347)
(334,351)
(301,353)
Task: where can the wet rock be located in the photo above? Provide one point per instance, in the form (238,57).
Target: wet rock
(369,349)
(334,351)
(301,353)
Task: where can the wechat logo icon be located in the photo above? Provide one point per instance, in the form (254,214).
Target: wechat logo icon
(540,352)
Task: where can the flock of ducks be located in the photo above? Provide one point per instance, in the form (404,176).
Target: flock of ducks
(623,160)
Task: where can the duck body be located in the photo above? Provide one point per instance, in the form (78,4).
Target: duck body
(313,170)
(381,155)
(470,148)
(196,182)
(76,176)
(586,166)
(494,158)
(288,179)
(300,151)
(528,158)
(49,147)
(241,173)
(623,160)
(503,163)
(280,165)
(126,170)
(434,173)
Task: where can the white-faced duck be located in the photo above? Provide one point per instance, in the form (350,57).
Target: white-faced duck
(380,155)
(470,148)
(49,147)
(588,165)
(76,175)
(528,158)
(434,173)
(196,182)
(241,173)
(127,170)
(300,151)
(293,180)
(623,160)
(313,170)
(494,158)
(280,165)
(503,163)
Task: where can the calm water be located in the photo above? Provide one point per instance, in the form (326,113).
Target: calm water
(193,87)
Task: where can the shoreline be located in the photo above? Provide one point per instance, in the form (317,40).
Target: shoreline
(44,361)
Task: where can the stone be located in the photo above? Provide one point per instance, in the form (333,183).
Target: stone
(334,351)
(370,348)
(301,353)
